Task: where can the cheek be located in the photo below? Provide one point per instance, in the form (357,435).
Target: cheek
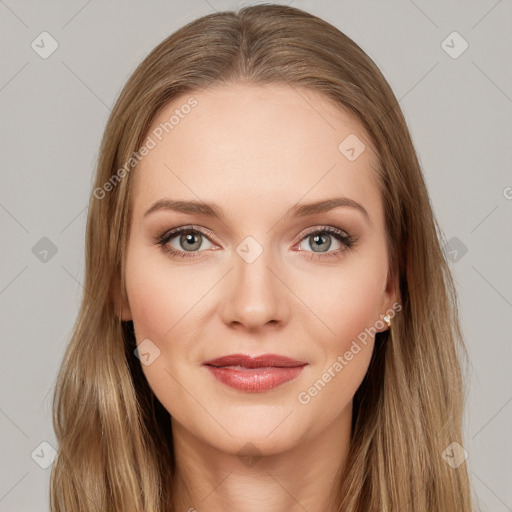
(167,303)
(346,299)
(348,306)
(162,303)
(160,296)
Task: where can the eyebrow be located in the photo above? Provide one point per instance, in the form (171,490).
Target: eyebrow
(213,210)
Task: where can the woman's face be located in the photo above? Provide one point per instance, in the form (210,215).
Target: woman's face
(262,275)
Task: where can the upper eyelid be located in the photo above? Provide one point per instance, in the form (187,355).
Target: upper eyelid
(171,233)
(320,227)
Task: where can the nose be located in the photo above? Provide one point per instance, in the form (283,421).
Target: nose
(254,294)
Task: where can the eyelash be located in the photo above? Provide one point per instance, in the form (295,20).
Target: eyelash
(346,240)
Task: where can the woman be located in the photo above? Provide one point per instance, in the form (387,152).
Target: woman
(268,320)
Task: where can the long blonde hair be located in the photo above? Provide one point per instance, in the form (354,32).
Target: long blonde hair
(115,446)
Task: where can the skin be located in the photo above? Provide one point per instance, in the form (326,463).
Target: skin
(256,151)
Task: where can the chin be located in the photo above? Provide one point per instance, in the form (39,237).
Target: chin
(252,443)
(264,429)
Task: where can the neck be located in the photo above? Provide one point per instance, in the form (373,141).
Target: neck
(304,477)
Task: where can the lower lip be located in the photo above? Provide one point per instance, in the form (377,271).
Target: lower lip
(255,379)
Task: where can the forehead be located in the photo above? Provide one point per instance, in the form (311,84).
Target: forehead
(256,144)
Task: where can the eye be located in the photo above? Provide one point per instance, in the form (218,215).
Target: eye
(320,241)
(183,242)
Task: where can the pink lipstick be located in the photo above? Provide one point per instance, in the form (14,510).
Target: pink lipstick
(254,374)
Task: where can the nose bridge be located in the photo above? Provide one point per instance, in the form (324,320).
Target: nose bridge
(255,296)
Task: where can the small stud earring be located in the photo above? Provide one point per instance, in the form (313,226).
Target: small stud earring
(387,319)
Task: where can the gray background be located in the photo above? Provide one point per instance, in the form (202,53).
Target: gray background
(54,111)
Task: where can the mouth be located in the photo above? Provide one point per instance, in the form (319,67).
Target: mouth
(254,374)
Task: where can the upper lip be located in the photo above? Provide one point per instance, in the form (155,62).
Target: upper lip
(265,360)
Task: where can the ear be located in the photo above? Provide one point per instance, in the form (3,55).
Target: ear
(391,291)
(121,305)
(390,304)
